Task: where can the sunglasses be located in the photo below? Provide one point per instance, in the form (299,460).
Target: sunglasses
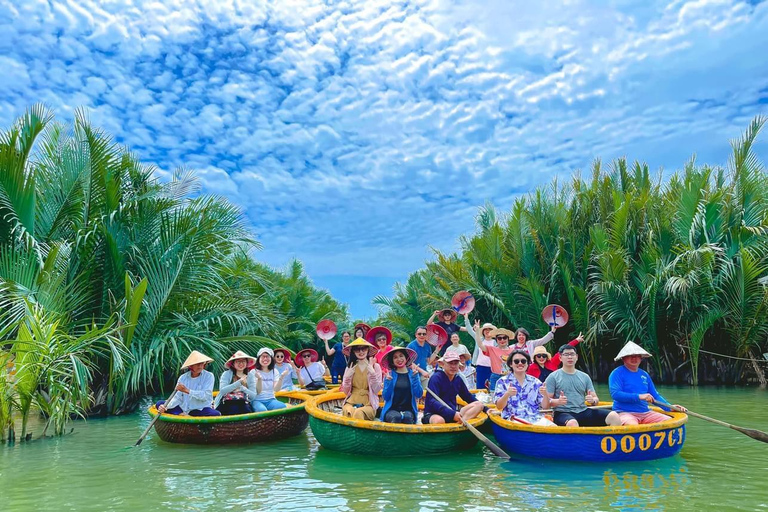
(421,334)
(519,361)
(502,337)
(306,356)
(542,355)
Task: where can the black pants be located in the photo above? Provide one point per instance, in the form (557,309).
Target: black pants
(232,407)
(393,416)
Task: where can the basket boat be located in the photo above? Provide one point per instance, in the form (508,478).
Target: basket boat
(240,428)
(335,432)
(597,444)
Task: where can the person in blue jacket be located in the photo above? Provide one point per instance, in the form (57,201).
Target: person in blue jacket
(402,386)
(447,385)
(632,389)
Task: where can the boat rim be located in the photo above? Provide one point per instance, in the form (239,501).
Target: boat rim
(184,418)
(315,412)
(676,420)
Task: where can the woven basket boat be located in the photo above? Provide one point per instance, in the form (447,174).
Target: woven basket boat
(241,428)
(335,432)
(597,444)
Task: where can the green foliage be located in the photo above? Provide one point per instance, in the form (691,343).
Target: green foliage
(94,249)
(675,266)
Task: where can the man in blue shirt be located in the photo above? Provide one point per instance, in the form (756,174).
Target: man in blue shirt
(423,352)
(447,385)
(632,389)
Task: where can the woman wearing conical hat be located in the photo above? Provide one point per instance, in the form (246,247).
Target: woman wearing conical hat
(632,389)
(362,381)
(194,389)
(237,385)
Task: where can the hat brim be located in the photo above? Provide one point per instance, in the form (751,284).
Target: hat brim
(300,356)
(370,336)
(410,355)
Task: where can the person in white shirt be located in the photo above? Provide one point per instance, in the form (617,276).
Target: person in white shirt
(194,389)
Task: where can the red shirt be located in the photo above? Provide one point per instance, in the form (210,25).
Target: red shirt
(534,369)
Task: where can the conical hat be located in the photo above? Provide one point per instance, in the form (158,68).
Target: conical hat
(250,360)
(631,349)
(194,358)
(359,342)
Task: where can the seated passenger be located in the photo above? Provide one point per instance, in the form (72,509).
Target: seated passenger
(282,363)
(543,363)
(518,395)
(361,381)
(311,374)
(466,371)
(632,389)
(234,394)
(568,389)
(194,389)
(402,386)
(447,385)
(268,380)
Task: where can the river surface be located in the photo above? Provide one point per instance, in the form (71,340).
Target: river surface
(94,469)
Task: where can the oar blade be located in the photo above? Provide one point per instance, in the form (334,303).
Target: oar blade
(487,442)
(751,432)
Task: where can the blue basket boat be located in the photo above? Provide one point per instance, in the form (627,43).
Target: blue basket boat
(597,444)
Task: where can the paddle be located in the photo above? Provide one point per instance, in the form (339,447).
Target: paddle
(754,434)
(487,442)
(151,423)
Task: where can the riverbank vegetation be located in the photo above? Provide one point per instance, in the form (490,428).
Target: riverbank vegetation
(676,262)
(109,277)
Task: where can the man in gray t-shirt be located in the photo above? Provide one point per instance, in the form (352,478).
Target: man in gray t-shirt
(568,389)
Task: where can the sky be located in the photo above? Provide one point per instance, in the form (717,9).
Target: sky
(358,136)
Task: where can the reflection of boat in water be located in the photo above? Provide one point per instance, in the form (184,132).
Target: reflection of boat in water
(239,428)
(600,444)
(335,432)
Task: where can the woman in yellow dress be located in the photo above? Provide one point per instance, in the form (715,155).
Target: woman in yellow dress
(362,381)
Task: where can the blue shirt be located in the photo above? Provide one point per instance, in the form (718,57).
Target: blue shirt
(447,390)
(626,386)
(339,360)
(422,353)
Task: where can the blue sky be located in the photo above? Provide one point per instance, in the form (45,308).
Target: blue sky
(358,135)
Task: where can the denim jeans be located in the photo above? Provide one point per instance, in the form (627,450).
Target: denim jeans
(267,405)
(492,382)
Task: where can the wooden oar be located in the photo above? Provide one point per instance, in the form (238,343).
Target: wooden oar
(487,442)
(151,423)
(751,432)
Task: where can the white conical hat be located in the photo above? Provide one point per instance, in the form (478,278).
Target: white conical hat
(194,358)
(631,349)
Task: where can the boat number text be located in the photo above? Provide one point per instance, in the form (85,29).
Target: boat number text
(644,442)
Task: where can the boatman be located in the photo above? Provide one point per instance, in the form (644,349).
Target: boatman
(447,385)
(569,388)
(632,389)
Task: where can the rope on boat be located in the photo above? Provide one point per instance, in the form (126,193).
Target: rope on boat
(734,357)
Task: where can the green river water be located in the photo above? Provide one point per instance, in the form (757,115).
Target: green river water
(94,469)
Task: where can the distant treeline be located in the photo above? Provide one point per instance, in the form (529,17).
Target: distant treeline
(676,263)
(108,277)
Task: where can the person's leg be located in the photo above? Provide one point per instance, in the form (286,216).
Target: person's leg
(347,410)
(436,419)
(483,374)
(612,419)
(205,411)
(651,417)
(492,382)
(392,417)
(565,419)
(408,418)
(258,406)
(471,410)
(273,404)
(365,412)
(628,418)
(175,410)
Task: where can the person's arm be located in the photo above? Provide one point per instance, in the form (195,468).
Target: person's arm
(250,387)
(616,386)
(502,393)
(176,399)
(417,390)
(545,402)
(328,350)
(542,341)
(440,409)
(279,380)
(434,357)
(206,393)
(225,383)
(346,380)
(298,373)
(389,388)
(464,393)
(258,382)
(655,395)
(468,327)
(430,321)
(374,377)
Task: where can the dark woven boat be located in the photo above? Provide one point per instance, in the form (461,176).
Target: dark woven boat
(335,432)
(241,428)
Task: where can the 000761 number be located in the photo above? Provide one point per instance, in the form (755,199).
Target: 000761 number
(643,442)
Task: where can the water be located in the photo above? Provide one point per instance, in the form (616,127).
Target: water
(94,470)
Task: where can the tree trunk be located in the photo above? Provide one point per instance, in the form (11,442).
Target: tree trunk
(758,371)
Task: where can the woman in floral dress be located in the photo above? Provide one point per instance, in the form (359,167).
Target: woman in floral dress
(520,396)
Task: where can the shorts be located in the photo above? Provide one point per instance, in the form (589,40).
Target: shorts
(428,415)
(586,418)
